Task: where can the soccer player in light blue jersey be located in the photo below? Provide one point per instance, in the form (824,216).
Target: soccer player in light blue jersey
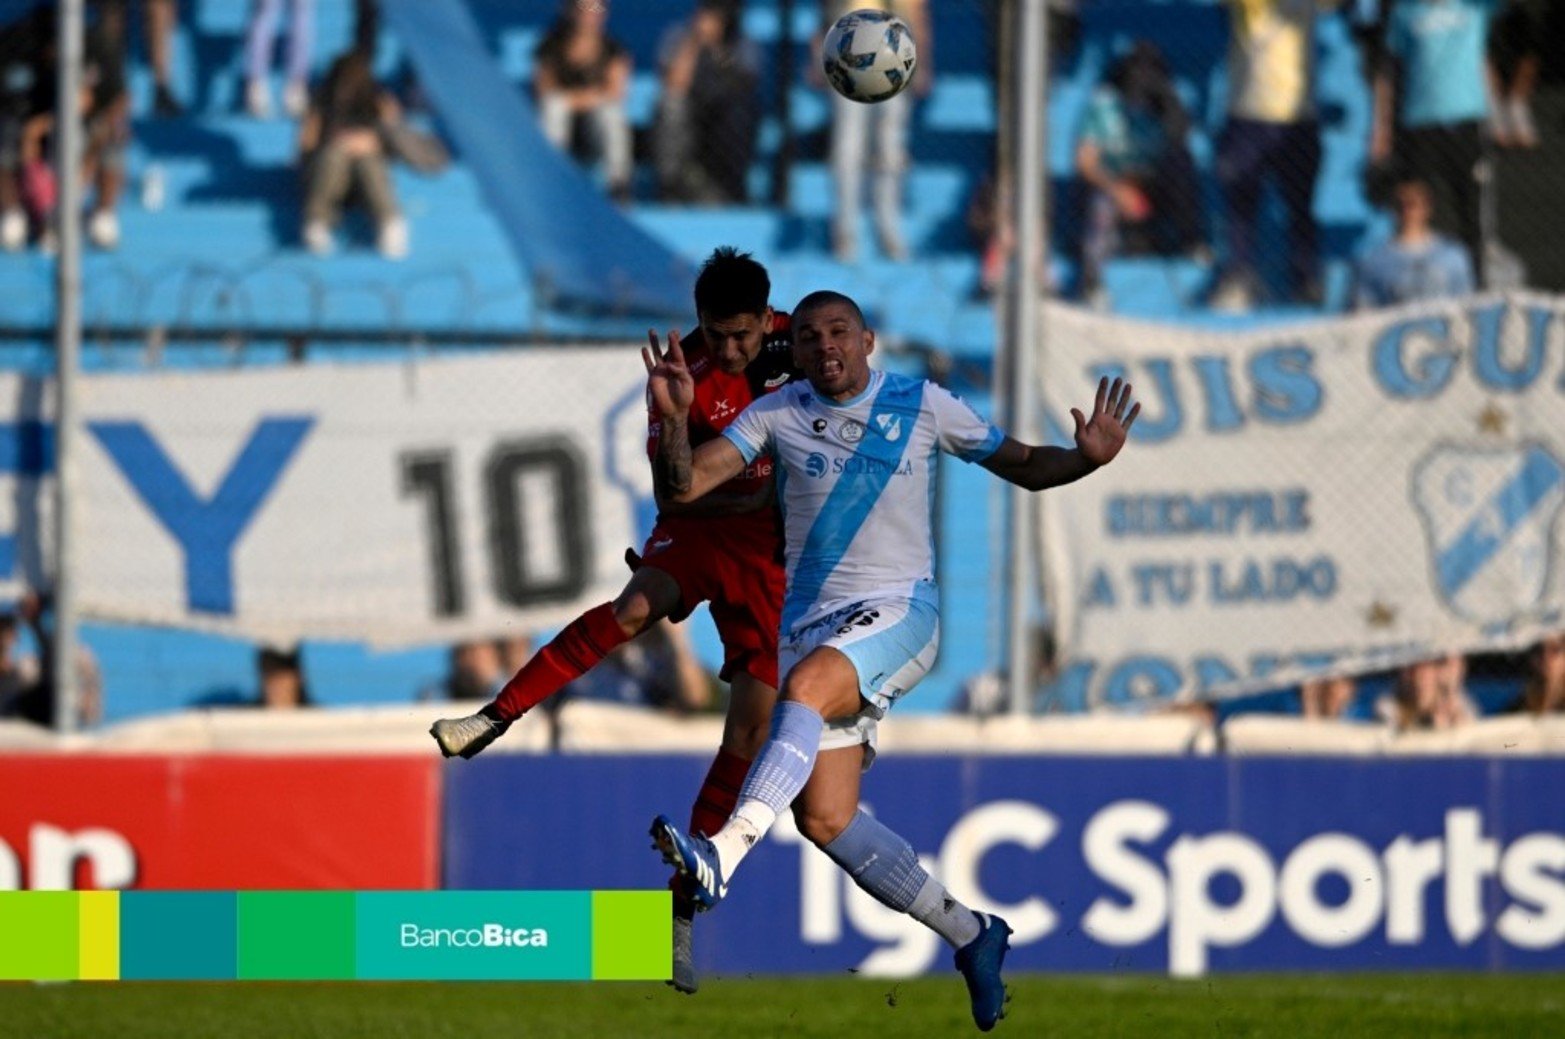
(855,453)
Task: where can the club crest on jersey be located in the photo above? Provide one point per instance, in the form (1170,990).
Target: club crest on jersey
(1489,516)
(890,427)
(851,431)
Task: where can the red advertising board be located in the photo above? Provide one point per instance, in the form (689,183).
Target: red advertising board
(218,821)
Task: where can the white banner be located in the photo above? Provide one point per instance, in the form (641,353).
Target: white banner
(393,503)
(1333,497)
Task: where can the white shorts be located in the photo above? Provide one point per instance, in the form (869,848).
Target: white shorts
(891,641)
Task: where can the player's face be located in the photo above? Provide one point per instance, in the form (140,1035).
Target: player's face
(832,347)
(735,340)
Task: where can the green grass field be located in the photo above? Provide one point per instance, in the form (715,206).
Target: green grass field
(1335,1006)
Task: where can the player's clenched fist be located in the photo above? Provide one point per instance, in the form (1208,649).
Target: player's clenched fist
(669,383)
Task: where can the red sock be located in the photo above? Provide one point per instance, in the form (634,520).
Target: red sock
(719,793)
(571,654)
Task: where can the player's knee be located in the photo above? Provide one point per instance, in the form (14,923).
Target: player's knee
(819,824)
(745,738)
(823,688)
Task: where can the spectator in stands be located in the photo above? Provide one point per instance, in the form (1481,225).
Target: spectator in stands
(1429,694)
(1435,67)
(1417,262)
(1272,135)
(342,151)
(580,79)
(24,46)
(1328,698)
(710,110)
(281,678)
(1515,63)
(17,675)
(477,672)
(656,669)
(1140,179)
(259,39)
(1544,691)
(515,650)
(106,125)
(28,192)
(865,137)
(35,701)
(984,694)
(161,18)
(27,174)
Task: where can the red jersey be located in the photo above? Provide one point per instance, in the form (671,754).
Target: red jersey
(721,396)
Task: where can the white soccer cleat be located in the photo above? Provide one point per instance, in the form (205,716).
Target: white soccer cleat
(465,737)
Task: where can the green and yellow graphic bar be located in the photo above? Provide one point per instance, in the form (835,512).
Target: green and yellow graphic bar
(335,935)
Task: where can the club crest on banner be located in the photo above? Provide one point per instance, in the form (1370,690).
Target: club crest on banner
(1489,517)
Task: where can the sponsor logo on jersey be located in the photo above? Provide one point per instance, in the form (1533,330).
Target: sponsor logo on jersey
(890,427)
(851,431)
(722,409)
(818,427)
(862,619)
(818,465)
(861,464)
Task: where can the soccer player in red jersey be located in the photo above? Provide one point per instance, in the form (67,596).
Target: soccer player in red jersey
(725,549)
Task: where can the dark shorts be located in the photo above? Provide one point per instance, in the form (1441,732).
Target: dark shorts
(732,563)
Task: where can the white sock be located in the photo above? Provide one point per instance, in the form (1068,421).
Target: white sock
(743,831)
(934,907)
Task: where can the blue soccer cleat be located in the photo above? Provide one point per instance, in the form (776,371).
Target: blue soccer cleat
(979,961)
(694,857)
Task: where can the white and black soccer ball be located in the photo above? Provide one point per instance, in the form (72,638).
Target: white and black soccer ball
(869,56)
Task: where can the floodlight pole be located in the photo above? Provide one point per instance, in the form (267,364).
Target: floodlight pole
(67,345)
(1023,341)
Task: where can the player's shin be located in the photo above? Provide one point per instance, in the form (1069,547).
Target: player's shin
(884,864)
(779,773)
(572,653)
(719,793)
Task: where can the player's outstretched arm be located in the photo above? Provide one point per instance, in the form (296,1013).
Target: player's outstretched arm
(678,473)
(1098,440)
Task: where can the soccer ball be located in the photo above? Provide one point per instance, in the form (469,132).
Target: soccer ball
(869,56)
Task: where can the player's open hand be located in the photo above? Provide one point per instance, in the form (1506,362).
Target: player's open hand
(1100,437)
(669,382)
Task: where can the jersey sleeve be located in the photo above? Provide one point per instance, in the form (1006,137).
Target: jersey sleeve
(751,431)
(960,429)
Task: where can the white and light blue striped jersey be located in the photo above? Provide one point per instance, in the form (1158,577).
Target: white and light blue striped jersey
(857,480)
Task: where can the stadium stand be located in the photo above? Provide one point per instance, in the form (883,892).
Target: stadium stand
(210,249)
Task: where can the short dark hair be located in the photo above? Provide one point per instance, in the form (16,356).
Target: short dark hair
(275,658)
(825,297)
(732,282)
(1408,176)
